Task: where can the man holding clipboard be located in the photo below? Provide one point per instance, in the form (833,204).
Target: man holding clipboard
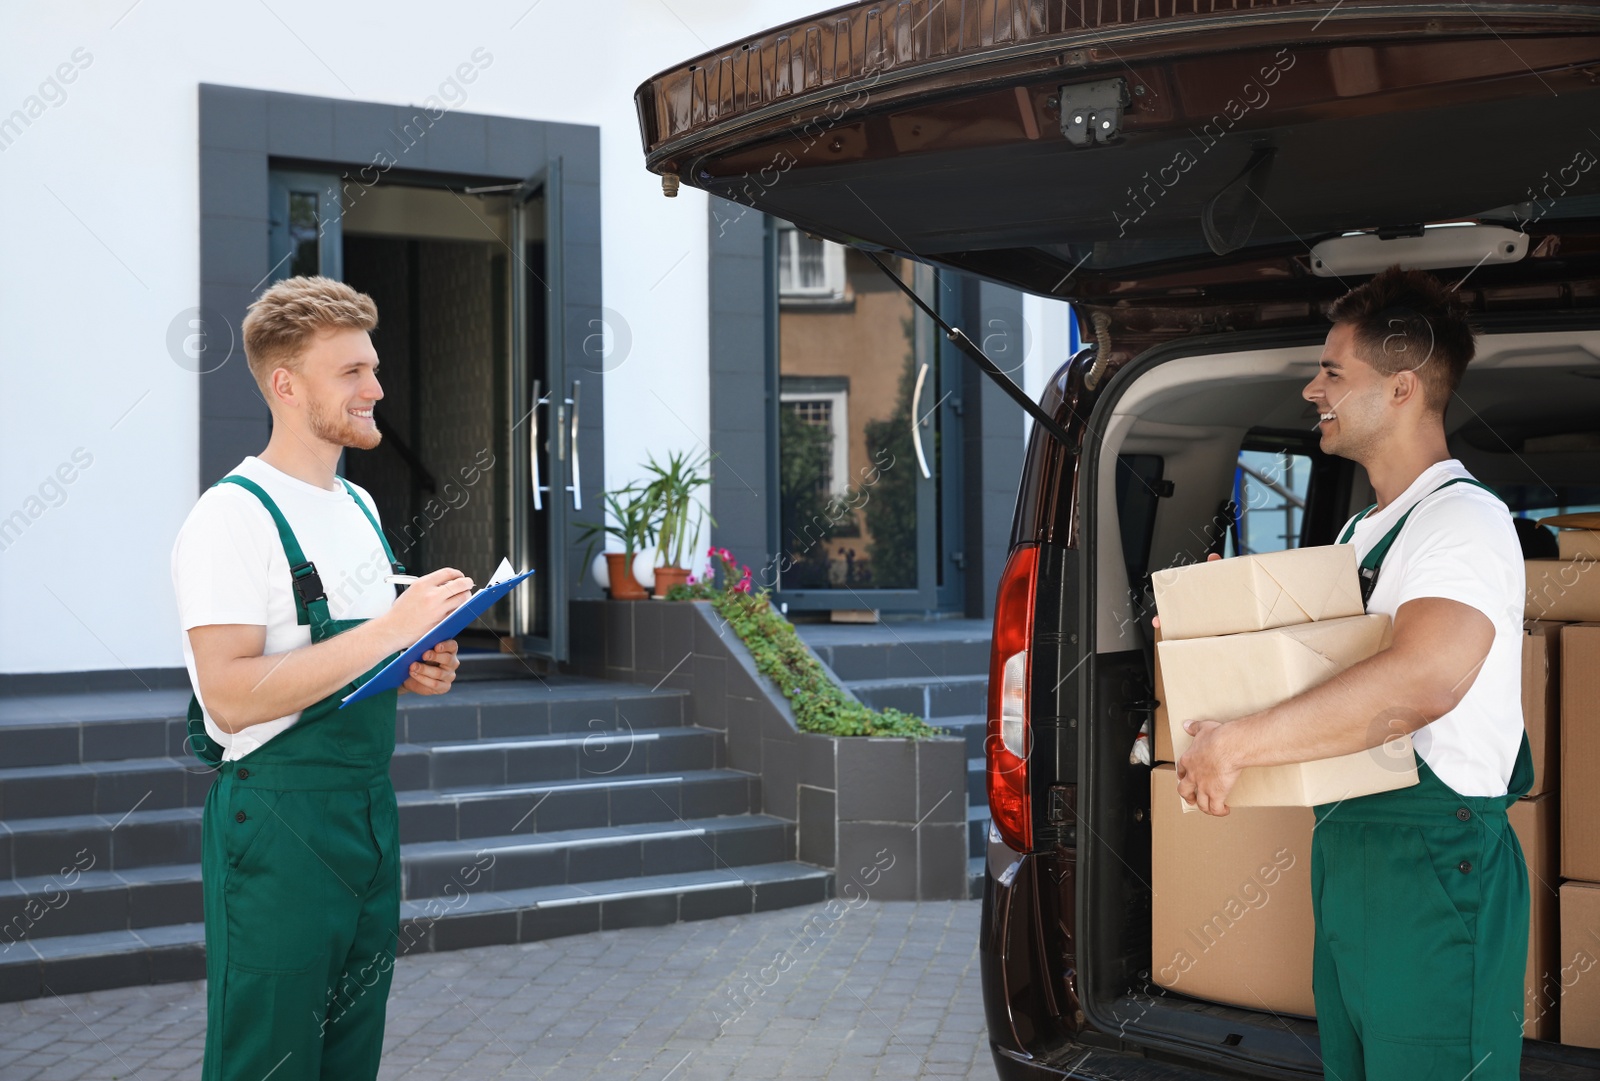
(282,577)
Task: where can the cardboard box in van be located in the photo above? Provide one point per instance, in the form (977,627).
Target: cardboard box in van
(1534,819)
(1565,590)
(1160,736)
(1579,973)
(1578,543)
(1541,700)
(1259,592)
(1580,754)
(1230,676)
(1231,904)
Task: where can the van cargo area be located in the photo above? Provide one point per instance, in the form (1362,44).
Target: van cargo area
(1159,461)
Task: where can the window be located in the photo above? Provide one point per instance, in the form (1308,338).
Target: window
(1269,489)
(826,412)
(808,268)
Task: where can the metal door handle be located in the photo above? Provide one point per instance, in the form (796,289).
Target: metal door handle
(916,423)
(574,488)
(533,445)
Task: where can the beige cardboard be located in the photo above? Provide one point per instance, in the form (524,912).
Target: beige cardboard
(1534,819)
(1541,698)
(1231,902)
(1227,677)
(1162,739)
(1578,543)
(1563,589)
(1579,972)
(1580,753)
(1254,593)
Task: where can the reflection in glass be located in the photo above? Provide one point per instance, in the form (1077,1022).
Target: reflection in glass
(847,369)
(304,234)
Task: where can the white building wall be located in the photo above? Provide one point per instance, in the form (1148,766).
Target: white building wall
(99,252)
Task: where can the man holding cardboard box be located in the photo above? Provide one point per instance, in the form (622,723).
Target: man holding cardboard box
(1419,894)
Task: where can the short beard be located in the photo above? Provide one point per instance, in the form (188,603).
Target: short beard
(344,433)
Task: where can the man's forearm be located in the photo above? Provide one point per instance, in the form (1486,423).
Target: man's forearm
(259,689)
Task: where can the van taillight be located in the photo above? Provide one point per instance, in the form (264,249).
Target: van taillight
(1010,738)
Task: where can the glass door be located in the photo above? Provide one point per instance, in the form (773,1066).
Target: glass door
(862,427)
(546,466)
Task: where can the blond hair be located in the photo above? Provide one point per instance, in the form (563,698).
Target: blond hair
(284,319)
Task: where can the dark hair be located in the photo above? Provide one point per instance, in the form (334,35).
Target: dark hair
(1408,320)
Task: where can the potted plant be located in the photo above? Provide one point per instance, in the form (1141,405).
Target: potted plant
(671,492)
(631,520)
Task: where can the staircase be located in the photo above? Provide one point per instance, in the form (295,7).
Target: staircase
(937,670)
(529,808)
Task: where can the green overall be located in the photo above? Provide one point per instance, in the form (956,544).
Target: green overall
(1420,904)
(300,866)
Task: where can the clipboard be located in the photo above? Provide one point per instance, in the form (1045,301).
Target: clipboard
(398,670)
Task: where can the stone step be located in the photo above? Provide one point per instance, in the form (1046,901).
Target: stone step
(47,730)
(977,828)
(116,787)
(906,659)
(977,783)
(94,900)
(932,699)
(32,847)
(90,962)
(974,729)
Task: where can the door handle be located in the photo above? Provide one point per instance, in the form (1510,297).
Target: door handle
(533,445)
(574,487)
(916,423)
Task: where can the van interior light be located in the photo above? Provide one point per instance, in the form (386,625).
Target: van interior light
(1437,247)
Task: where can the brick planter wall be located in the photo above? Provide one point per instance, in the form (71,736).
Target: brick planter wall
(857,803)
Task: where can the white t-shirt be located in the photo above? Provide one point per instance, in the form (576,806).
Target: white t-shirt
(1460,545)
(228,566)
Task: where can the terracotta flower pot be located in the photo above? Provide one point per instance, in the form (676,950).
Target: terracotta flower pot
(667,577)
(624,587)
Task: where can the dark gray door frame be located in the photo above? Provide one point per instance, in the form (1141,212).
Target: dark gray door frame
(244,132)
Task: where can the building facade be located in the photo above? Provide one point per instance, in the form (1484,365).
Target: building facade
(548,319)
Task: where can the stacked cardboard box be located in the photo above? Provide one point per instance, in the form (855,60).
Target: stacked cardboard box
(1239,635)
(1232,902)
(1579,797)
(1558,822)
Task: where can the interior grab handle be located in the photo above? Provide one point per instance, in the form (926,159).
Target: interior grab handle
(575,487)
(916,423)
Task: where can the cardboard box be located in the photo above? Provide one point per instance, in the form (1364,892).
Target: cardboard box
(1231,904)
(1256,593)
(1229,676)
(1534,819)
(1580,753)
(1541,700)
(1578,543)
(1161,738)
(1579,972)
(1562,589)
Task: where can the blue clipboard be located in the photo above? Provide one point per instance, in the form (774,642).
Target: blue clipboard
(398,670)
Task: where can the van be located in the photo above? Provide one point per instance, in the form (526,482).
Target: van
(1200,179)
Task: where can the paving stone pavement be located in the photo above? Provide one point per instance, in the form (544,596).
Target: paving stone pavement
(878,990)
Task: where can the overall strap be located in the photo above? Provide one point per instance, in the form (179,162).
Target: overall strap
(308,589)
(398,569)
(1374,557)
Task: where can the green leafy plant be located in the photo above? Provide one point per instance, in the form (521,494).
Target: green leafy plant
(672,495)
(630,519)
(820,705)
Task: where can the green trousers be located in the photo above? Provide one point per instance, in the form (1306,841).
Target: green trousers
(1420,902)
